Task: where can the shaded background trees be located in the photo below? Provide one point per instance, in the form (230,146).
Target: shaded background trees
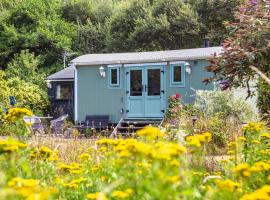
(35,33)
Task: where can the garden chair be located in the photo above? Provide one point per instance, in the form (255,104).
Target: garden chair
(35,124)
(57,125)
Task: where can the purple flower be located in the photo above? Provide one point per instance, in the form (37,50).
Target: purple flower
(224,84)
(254,2)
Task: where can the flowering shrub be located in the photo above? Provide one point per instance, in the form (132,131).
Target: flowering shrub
(13,123)
(174,107)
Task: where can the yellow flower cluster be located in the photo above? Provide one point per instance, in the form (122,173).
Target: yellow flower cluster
(198,140)
(245,170)
(30,189)
(96,196)
(253,127)
(150,132)
(232,147)
(265,135)
(73,168)
(15,114)
(260,166)
(44,153)
(71,184)
(84,157)
(132,147)
(118,194)
(260,194)
(228,185)
(11,145)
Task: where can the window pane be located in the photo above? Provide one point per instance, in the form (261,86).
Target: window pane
(177,74)
(153,82)
(136,83)
(114,77)
(63,91)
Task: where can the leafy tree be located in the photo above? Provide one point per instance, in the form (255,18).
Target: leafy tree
(156,25)
(83,11)
(213,15)
(247,50)
(151,33)
(78,11)
(123,23)
(90,38)
(184,25)
(25,66)
(28,95)
(37,26)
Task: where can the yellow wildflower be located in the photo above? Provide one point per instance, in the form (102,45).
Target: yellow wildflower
(243,170)
(17,113)
(122,194)
(265,135)
(227,185)
(74,183)
(44,153)
(175,163)
(253,127)
(198,140)
(10,145)
(84,157)
(260,166)
(74,168)
(262,194)
(255,142)
(96,196)
(150,132)
(173,179)
(20,182)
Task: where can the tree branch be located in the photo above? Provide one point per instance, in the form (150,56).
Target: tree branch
(260,73)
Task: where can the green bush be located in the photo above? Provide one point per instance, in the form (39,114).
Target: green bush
(225,103)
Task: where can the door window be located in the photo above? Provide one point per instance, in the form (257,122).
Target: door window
(136,86)
(153,79)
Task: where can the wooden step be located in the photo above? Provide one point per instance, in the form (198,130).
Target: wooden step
(131,128)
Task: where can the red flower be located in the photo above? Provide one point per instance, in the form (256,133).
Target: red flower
(177,96)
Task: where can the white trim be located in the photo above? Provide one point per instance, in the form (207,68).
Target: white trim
(144,64)
(177,62)
(109,66)
(76,95)
(58,80)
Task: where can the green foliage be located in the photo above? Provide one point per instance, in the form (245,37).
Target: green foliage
(140,26)
(25,67)
(264,98)
(225,103)
(212,15)
(37,26)
(28,95)
(26,83)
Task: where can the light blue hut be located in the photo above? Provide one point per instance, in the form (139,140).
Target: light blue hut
(137,85)
(130,85)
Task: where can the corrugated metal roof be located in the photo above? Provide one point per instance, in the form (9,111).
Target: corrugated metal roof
(141,57)
(67,73)
(136,57)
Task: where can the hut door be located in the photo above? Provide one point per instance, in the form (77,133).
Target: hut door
(145,91)
(135,92)
(154,91)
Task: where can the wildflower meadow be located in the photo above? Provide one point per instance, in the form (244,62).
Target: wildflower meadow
(149,165)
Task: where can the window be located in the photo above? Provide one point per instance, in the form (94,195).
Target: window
(114,77)
(177,75)
(63,91)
